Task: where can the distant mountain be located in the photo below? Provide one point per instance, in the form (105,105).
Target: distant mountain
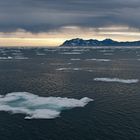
(92,42)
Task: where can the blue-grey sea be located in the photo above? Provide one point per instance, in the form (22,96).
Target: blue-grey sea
(80,93)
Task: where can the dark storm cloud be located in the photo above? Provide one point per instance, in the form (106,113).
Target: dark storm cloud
(45,15)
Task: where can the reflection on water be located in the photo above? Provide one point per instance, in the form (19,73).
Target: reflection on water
(69,72)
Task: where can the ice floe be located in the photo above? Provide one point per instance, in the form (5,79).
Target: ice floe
(36,107)
(126,81)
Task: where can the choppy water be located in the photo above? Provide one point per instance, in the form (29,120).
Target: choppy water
(65,81)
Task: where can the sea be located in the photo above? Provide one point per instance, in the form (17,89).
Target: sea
(70,93)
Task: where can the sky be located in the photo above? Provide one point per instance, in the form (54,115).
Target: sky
(51,22)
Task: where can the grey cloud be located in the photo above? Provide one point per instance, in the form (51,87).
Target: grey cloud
(45,15)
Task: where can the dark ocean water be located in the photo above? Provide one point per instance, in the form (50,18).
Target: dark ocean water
(113,115)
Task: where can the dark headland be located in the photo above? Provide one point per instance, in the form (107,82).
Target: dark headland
(93,42)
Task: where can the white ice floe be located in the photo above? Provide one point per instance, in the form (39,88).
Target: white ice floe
(76,69)
(126,81)
(99,60)
(38,53)
(4,58)
(17,54)
(75,59)
(36,107)
(15,57)
(108,53)
(80,50)
(20,57)
(70,53)
(60,64)
(72,69)
(62,69)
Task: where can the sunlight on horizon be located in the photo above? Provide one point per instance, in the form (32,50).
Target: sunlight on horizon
(57,37)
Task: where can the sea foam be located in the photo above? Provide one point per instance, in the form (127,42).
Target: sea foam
(36,107)
(126,81)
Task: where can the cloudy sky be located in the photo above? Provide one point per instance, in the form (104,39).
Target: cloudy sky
(50,22)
